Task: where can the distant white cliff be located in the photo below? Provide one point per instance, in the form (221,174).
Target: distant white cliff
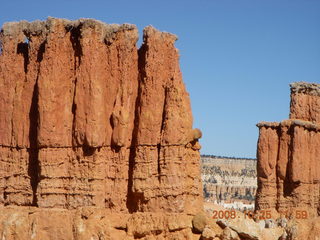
(230,182)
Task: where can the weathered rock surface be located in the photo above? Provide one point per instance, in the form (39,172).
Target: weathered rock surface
(199,222)
(289,157)
(99,223)
(305,101)
(88,120)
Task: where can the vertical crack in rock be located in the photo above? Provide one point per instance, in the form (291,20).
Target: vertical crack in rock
(287,186)
(159,163)
(279,133)
(33,167)
(75,35)
(132,201)
(23,49)
(41,52)
(161,132)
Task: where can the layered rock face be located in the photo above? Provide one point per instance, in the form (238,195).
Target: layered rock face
(289,155)
(89,120)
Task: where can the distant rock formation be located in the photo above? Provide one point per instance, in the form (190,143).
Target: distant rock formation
(89,122)
(231,182)
(289,155)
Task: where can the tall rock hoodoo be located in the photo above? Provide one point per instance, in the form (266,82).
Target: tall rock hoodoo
(90,125)
(289,155)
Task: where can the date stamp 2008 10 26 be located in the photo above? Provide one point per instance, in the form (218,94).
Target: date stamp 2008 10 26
(262,214)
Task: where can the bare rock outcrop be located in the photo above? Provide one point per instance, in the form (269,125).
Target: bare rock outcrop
(289,156)
(89,120)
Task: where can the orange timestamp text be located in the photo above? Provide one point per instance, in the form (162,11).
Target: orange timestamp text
(261,214)
(232,214)
(298,214)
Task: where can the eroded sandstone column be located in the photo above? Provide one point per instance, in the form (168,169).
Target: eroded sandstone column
(18,115)
(166,174)
(288,155)
(87,119)
(267,154)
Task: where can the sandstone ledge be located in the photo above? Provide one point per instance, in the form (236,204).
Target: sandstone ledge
(90,223)
(291,122)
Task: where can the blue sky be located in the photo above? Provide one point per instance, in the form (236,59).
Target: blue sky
(237,57)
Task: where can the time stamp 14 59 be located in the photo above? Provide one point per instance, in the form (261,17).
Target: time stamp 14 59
(261,214)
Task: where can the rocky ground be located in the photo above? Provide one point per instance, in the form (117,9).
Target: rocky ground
(243,226)
(21,223)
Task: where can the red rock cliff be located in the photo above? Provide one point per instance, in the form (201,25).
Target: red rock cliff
(289,155)
(88,120)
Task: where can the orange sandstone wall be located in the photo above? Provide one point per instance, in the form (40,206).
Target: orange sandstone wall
(87,119)
(289,155)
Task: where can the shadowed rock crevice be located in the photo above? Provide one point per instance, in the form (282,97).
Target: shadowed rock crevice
(75,35)
(162,129)
(41,51)
(159,163)
(288,186)
(87,150)
(131,202)
(132,198)
(33,151)
(23,49)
